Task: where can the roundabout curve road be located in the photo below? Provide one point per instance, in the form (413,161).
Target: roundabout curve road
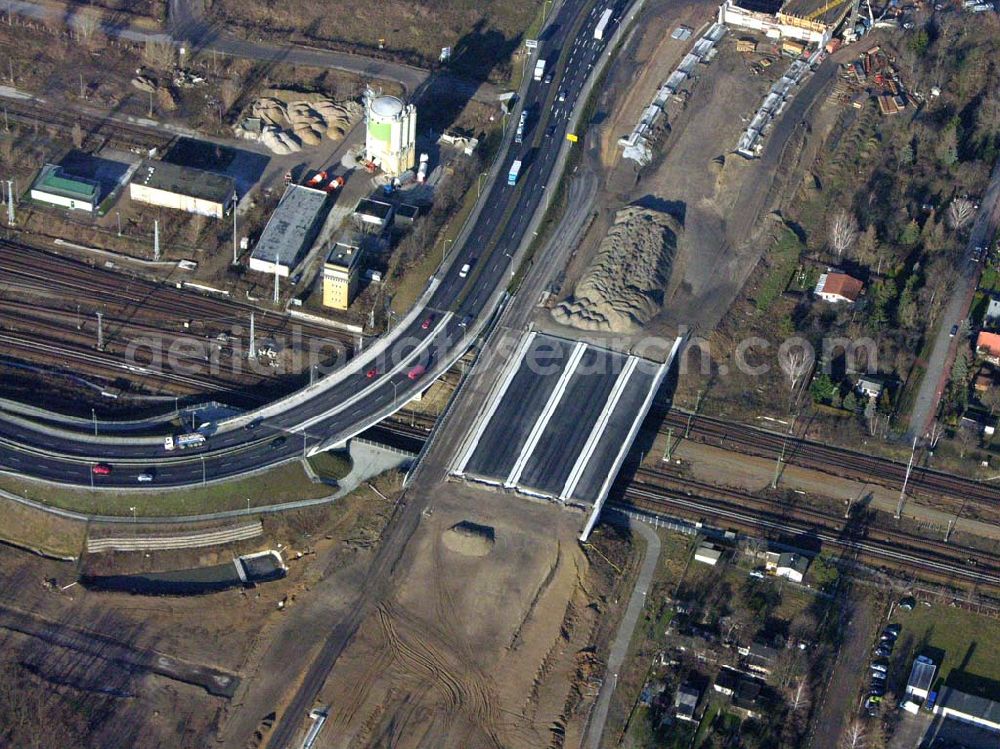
(434,335)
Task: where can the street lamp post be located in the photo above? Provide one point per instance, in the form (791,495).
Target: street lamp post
(93,416)
(133,513)
(444,249)
(394,386)
(204,474)
(479,183)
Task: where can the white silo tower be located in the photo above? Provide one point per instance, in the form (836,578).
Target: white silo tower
(391,133)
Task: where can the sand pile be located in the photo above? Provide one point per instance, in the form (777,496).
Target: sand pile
(287,126)
(469,539)
(624,286)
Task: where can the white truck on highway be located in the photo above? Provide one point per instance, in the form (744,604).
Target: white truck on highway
(602,25)
(539,70)
(183,442)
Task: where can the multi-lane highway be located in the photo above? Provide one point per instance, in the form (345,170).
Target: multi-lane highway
(433,336)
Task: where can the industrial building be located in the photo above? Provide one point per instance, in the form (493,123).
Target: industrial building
(707,554)
(290,231)
(373,215)
(182,188)
(341,271)
(390,133)
(55,187)
(808,21)
(968,708)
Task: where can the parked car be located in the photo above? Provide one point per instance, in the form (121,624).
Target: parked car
(101,469)
(893,630)
(884,650)
(880,667)
(953,332)
(877,676)
(907,604)
(876,690)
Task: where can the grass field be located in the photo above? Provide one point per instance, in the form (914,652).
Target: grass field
(285,483)
(40,531)
(966,647)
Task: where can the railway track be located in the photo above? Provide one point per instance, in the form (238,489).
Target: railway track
(119,133)
(47,316)
(933,560)
(923,483)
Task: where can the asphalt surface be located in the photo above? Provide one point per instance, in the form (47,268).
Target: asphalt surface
(355,401)
(619,648)
(944,348)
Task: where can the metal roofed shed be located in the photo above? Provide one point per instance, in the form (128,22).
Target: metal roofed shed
(707,554)
(921,678)
(290,231)
(968,708)
(55,187)
(183,188)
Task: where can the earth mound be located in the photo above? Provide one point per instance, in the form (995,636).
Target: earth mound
(624,286)
(470,539)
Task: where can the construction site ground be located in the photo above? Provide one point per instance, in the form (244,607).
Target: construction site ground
(236,631)
(721,198)
(491,635)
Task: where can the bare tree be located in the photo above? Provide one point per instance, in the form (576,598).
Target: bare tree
(159,54)
(843,231)
(960,213)
(854,736)
(87,24)
(934,434)
(798,699)
(796,357)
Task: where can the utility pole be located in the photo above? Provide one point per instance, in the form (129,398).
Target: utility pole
(906,480)
(252,353)
(275,281)
(668,451)
(204,475)
(236,247)
(947,533)
(777,465)
(100,331)
(10,202)
(156,239)
(119,222)
(93,415)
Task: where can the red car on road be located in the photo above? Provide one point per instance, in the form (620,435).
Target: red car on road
(101,469)
(372,373)
(427,323)
(416,372)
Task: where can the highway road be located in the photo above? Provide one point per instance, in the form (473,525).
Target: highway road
(432,336)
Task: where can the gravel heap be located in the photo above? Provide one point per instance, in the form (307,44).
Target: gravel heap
(289,126)
(624,285)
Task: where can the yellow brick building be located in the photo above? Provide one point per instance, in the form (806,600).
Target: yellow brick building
(340,275)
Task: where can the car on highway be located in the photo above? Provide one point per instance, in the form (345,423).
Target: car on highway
(562,96)
(145,478)
(251,425)
(416,372)
(427,323)
(550,131)
(278,442)
(548,79)
(372,373)
(464,272)
(101,469)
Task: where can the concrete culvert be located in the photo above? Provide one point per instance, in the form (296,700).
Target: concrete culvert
(470,539)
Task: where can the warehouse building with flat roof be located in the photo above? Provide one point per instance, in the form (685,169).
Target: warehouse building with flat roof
(290,231)
(182,188)
(55,187)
